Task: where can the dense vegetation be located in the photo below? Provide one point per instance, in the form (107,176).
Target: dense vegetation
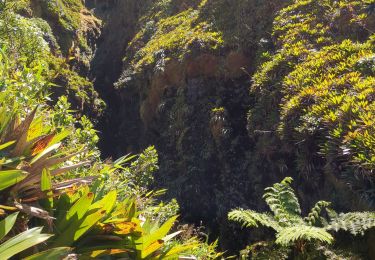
(66,200)
(184,87)
(321,76)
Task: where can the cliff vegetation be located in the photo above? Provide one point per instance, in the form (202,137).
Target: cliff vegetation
(187,129)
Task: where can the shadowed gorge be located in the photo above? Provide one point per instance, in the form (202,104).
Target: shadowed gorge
(192,107)
(187,129)
(188,94)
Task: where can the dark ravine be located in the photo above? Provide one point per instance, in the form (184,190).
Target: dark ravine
(194,109)
(262,113)
(120,22)
(199,128)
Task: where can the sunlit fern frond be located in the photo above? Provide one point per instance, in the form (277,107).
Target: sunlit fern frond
(354,222)
(250,218)
(283,201)
(289,235)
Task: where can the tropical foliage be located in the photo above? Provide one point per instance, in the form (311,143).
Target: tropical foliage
(173,34)
(67,200)
(24,240)
(312,114)
(320,77)
(87,217)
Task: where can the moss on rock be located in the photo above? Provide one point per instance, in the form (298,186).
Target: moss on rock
(174,35)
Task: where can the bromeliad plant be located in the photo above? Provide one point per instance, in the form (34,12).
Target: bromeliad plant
(88,219)
(96,224)
(28,148)
(296,232)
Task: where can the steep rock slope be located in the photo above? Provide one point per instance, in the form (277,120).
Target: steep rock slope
(314,97)
(176,74)
(70,31)
(183,87)
(312,106)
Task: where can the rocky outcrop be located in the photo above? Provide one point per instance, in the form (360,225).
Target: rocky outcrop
(176,74)
(71,31)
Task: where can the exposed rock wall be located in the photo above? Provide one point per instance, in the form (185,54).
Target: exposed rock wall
(235,94)
(177,74)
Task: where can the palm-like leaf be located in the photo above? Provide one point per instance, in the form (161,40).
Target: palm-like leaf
(9,178)
(51,254)
(22,241)
(291,228)
(314,215)
(7,224)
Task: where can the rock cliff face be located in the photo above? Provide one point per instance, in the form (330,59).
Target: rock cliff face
(234,94)
(71,31)
(176,74)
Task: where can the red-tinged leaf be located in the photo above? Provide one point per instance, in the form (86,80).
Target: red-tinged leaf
(42,144)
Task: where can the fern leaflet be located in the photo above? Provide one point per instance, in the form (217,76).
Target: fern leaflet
(250,218)
(314,215)
(283,201)
(354,222)
(288,235)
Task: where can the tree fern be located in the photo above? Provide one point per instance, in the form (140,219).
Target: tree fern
(289,235)
(292,230)
(283,201)
(354,222)
(250,218)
